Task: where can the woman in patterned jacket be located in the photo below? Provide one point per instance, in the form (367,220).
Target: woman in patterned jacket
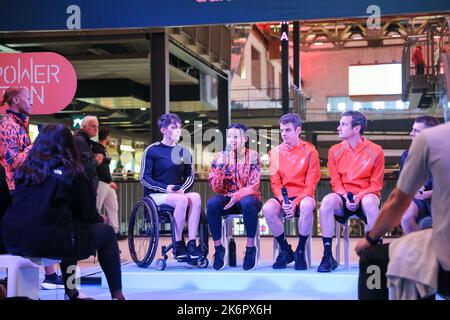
(235,175)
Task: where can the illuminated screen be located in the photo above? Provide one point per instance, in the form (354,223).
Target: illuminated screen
(377,79)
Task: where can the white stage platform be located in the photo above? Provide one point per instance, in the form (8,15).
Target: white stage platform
(181,281)
(234,282)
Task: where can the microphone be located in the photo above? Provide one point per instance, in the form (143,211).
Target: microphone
(350,197)
(176,188)
(235,165)
(285,195)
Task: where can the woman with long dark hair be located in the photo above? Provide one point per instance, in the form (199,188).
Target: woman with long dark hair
(53,213)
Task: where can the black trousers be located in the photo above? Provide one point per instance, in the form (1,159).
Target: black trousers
(249,206)
(108,257)
(379,256)
(420,69)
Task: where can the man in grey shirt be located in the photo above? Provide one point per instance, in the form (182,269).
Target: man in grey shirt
(428,155)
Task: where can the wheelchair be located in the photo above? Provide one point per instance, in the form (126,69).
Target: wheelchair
(146,224)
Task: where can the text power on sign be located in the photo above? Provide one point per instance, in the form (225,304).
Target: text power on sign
(49,77)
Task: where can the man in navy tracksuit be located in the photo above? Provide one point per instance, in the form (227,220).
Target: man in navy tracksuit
(167,174)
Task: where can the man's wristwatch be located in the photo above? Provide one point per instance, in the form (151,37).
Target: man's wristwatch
(372,241)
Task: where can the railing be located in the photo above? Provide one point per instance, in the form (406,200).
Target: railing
(324,115)
(215,40)
(131,191)
(434,44)
(258,98)
(255,99)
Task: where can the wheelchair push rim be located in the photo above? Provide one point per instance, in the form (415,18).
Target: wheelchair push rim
(143,231)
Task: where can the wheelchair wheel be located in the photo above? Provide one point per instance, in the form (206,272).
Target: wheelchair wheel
(143,232)
(160,264)
(203,233)
(203,263)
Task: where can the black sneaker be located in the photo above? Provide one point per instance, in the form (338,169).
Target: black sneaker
(250,258)
(180,250)
(300,260)
(327,264)
(219,258)
(284,258)
(52,282)
(193,250)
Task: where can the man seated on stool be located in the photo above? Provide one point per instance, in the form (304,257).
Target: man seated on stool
(167,174)
(420,207)
(356,168)
(294,164)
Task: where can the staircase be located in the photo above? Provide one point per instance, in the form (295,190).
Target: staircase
(431,88)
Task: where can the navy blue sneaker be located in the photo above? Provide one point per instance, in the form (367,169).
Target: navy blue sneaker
(300,260)
(219,258)
(180,250)
(250,258)
(284,258)
(327,264)
(193,250)
(52,282)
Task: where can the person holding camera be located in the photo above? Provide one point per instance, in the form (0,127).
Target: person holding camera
(106,190)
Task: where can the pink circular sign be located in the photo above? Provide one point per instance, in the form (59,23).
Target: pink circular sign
(49,77)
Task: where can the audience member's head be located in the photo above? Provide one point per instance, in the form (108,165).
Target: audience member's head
(18,100)
(89,125)
(104,134)
(54,148)
(421,123)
